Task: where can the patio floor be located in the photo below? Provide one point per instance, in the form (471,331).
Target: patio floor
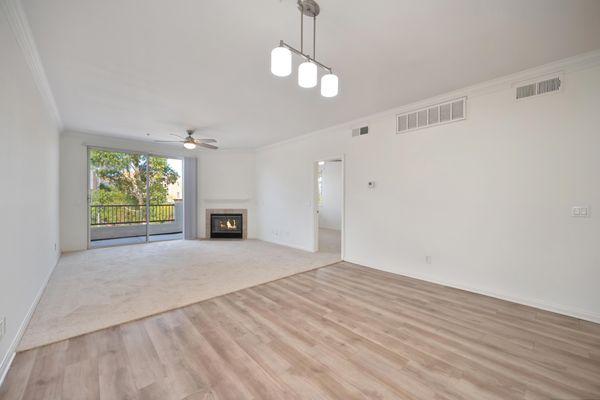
(94,244)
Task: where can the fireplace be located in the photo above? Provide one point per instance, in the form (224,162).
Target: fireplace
(229,226)
(216,223)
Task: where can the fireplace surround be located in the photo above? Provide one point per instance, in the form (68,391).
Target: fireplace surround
(225,223)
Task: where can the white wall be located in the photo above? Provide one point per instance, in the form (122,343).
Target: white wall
(73,180)
(330,210)
(489,198)
(227,180)
(28,192)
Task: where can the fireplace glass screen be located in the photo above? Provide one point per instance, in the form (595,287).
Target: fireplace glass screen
(226,226)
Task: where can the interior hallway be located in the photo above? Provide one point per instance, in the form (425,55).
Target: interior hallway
(330,241)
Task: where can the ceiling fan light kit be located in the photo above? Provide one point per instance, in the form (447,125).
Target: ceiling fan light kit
(281,56)
(190,142)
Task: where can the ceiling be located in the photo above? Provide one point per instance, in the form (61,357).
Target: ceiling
(132,67)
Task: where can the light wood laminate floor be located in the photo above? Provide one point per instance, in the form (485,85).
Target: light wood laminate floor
(339,332)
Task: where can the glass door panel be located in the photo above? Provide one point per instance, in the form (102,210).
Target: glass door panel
(166,199)
(117,192)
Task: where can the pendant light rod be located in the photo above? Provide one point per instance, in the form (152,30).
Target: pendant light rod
(302,28)
(306,56)
(314,37)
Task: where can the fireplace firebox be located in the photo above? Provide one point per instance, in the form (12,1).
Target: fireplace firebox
(226,226)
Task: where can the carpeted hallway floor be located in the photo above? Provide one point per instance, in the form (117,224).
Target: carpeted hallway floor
(96,289)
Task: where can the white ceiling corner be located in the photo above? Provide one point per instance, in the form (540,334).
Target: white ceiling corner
(24,37)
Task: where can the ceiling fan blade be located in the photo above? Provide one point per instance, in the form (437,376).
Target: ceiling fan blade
(180,137)
(208,146)
(198,141)
(168,141)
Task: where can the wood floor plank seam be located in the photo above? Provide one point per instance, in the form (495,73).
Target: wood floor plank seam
(267,318)
(429,313)
(363,338)
(593,339)
(481,355)
(351,328)
(350,359)
(475,328)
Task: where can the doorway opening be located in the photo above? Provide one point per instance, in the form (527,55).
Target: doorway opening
(329,204)
(133,198)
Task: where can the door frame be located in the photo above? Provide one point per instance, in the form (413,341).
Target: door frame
(315,202)
(145,153)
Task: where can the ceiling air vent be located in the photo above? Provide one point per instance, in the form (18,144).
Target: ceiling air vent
(437,114)
(526,91)
(538,88)
(363,130)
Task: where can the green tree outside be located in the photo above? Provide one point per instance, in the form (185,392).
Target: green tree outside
(122,180)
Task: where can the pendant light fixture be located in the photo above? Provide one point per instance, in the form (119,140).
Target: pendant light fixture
(308,70)
(281,61)
(307,74)
(329,85)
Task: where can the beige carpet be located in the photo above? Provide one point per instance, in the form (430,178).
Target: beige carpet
(95,289)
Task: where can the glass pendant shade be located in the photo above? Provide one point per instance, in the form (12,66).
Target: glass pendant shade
(307,74)
(281,61)
(189,145)
(329,85)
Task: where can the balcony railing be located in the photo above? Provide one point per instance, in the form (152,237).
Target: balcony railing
(122,214)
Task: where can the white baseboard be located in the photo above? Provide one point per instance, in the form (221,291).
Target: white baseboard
(331,228)
(12,350)
(542,305)
(6,363)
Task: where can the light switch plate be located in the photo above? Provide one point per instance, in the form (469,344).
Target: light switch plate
(580,211)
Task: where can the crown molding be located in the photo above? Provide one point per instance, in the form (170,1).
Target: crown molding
(99,135)
(17,20)
(572,64)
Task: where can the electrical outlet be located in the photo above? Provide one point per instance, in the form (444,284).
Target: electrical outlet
(428,259)
(2,327)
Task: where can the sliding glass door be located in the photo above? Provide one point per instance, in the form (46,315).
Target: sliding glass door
(133,198)
(166,199)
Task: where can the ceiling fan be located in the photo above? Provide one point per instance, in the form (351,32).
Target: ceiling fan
(190,142)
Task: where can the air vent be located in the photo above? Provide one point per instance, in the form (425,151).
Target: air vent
(450,111)
(550,85)
(363,130)
(538,88)
(526,91)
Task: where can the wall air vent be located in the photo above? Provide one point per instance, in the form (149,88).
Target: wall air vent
(539,87)
(437,114)
(363,130)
